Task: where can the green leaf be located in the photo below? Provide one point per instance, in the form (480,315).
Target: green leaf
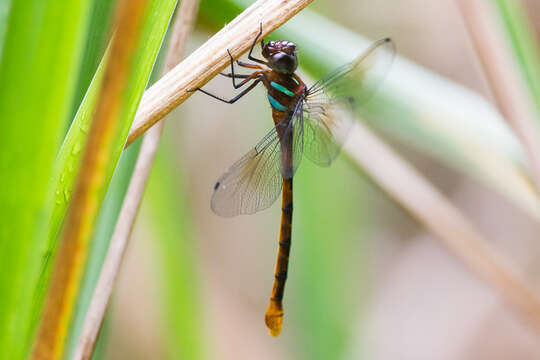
(94,48)
(65,168)
(4,13)
(41,55)
(155,25)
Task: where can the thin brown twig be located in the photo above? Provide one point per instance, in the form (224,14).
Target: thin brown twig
(411,190)
(237,36)
(183,24)
(84,208)
(502,74)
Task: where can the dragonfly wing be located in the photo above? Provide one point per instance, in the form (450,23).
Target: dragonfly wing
(254,182)
(326,126)
(328,102)
(357,81)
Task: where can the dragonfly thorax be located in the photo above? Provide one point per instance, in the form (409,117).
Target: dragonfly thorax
(281,56)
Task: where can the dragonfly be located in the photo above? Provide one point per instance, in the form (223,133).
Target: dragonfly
(308,121)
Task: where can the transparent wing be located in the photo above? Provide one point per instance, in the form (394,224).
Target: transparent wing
(324,111)
(254,182)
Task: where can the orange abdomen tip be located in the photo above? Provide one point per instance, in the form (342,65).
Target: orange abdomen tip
(274,318)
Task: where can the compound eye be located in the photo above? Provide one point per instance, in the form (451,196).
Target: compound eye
(283,63)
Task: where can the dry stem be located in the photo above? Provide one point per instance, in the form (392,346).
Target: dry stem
(209,59)
(408,188)
(502,73)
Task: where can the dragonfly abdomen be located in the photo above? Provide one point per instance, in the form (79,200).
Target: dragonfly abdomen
(274,312)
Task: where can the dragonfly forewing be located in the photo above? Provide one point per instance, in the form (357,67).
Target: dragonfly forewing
(254,182)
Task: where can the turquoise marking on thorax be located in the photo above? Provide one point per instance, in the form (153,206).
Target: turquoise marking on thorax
(281,88)
(275,104)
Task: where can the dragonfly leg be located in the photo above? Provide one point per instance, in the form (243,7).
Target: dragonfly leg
(230,75)
(252,76)
(252,58)
(234,99)
(248,65)
(234,76)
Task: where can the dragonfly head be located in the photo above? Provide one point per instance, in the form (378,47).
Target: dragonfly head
(281,56)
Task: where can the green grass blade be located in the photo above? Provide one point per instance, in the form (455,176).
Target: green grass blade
(103,233)
(155,25)
(525,45)
(94,48)
(66,165)
(41,55)
(4,12)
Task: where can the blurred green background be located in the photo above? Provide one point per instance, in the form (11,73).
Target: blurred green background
(365,279)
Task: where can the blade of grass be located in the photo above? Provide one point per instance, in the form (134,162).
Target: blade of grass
(156,22)
(69,157)
(503,77)
(41,55)
(96,42)
(92,178)
(444,120)
(526,46)
(424,202)
(96,312)
(94,48)
(68,160)
(203,64)
(4,13)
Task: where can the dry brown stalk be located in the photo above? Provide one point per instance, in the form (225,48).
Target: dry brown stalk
(410,189)
(502,73)
(203,64)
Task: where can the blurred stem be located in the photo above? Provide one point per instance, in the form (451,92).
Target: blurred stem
(523,41)
(91,179)
(183,24)
(503,77)
(208,60)
(167,210)
(408,188)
